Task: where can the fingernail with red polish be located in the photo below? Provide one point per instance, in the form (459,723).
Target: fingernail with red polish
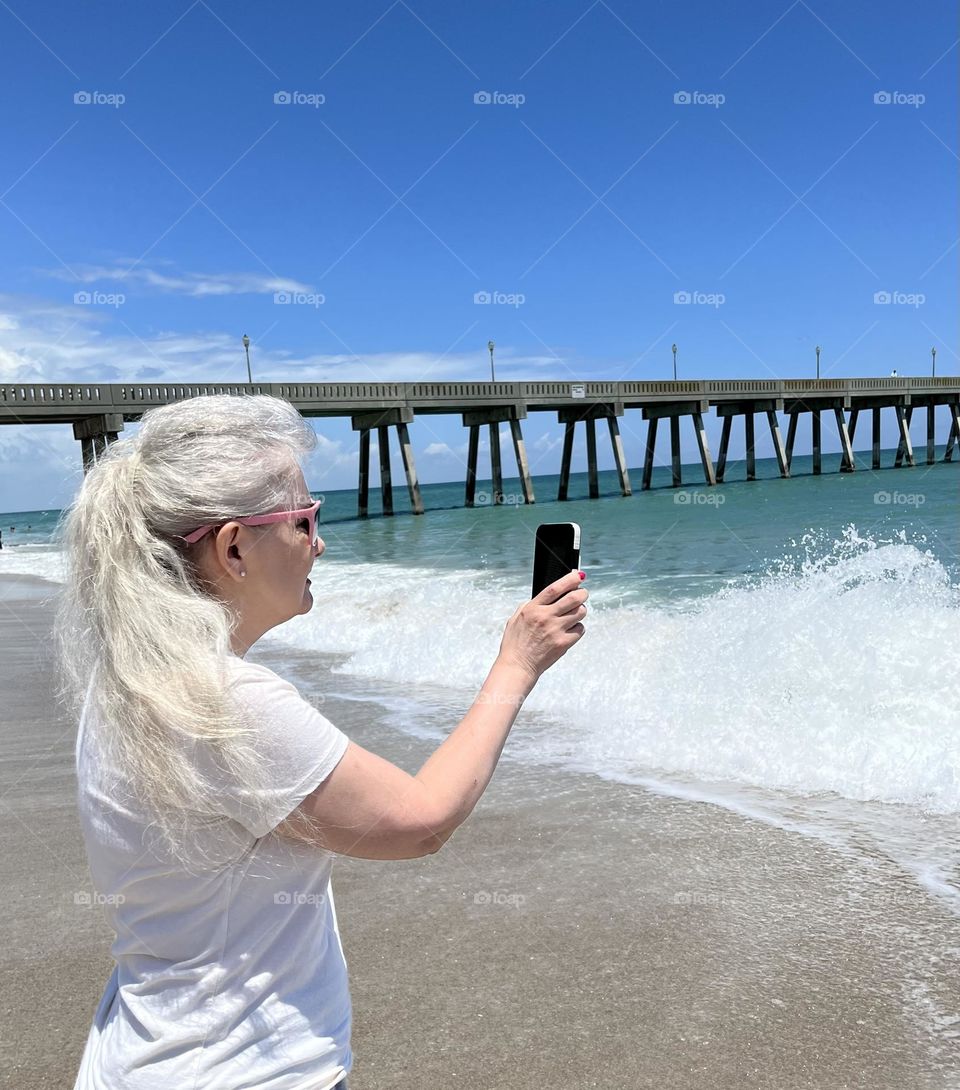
(583,575)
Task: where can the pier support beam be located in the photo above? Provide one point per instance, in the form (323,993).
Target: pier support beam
(851,432)
(674,411)
(727,410)
(905,446)
(815,441)
(590,414)
(930,399)
(95,434)
(778,444)
(954,436)
(383,420)
(847,463)
(815,406)
(493,418)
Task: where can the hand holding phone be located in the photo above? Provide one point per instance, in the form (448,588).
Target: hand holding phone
(542,630)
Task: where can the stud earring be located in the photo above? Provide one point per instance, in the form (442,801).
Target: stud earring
(243,573)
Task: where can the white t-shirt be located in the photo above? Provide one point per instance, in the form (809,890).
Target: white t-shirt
(232,978)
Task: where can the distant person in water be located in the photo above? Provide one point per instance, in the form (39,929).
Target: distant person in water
(213,797)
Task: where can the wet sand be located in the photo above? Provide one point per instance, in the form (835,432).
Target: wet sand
(573,933)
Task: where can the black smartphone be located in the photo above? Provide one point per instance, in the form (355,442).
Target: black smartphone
(556,554)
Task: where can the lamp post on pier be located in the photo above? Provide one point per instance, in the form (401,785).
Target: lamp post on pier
(933,358)
(246,348)
(818,361)
(490,348)
(673,348)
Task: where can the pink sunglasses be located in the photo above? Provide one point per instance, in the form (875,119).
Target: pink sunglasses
(307,513)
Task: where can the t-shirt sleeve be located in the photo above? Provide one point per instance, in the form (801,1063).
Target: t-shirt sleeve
(299,749)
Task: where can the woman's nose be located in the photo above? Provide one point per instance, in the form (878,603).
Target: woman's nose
(319,547)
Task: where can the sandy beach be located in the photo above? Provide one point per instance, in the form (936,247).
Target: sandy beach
(574,933)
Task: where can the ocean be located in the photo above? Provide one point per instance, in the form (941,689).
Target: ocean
(784,648)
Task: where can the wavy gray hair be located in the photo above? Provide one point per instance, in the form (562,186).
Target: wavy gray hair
(137,625)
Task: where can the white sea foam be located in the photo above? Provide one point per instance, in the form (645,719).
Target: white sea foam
(835,673)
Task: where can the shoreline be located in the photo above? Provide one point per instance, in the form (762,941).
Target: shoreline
(574,931)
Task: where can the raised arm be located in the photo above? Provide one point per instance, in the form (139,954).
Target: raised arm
(371,809)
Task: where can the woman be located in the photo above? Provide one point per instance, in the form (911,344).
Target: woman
(212,796)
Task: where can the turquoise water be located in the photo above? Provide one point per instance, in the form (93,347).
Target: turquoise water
(662,545)
(666,543)
(783,647)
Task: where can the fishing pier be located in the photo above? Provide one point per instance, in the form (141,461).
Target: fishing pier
(98,413)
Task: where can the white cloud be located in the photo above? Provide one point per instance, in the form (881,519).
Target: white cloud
(183,283)
(44,341)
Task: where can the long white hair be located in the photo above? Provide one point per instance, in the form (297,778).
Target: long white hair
(137,625)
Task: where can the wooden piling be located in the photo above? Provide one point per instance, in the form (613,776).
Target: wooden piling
(565,460)
(363,485)
(675,465)
(406,456)
(851,432)
(751,447)
(364,423)
(791,438)
(954,436)
(593,481)
(618,456)
(905,446)
(523,466)
(95,434)
(474,445)
(724,443)
(777,443)
(847,463)
(709,474)
(386,485)
(648,453)
(815,429)
(875,459)
(496,473)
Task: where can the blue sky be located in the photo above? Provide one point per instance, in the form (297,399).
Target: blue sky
(379,198)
